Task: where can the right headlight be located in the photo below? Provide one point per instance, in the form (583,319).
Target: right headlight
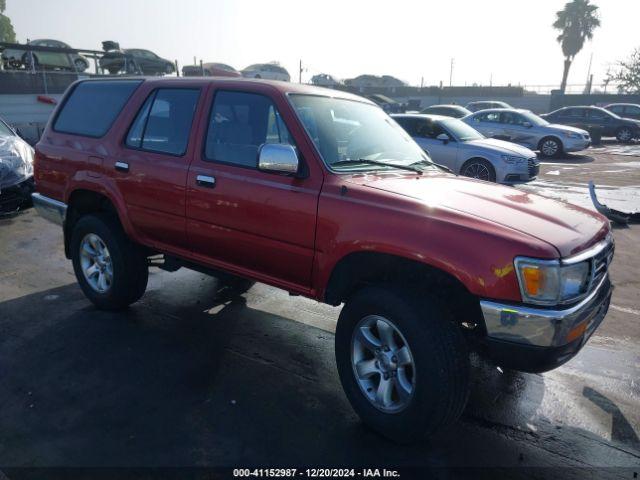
(548,282)
(513,159)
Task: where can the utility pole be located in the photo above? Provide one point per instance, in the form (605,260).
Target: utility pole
(300,72)
(587,87)
(451,72)
(421,82)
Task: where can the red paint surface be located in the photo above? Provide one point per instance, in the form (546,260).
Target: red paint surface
(291,232)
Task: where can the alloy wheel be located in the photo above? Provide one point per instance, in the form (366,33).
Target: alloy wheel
(96,264)
(477,170)
(549,148)
(624,135)
(383,364)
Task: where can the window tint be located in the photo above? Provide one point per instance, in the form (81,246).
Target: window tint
(492,117)
(93,106)
(239,124)
(512,118)
(164,121)
(573,113)
(617,109)
(597,114)
(632,109)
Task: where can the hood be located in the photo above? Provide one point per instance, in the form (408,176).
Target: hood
(566,128)
(568,228)
(502,147)
(16,161)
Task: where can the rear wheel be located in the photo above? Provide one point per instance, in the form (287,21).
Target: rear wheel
(402,362)
(111,270)
(480,169)
(624,135)
(550,147)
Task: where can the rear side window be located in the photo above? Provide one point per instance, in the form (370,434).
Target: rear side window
(163,124)
(240,123)
(93,106)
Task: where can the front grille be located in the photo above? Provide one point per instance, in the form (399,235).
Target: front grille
(534,167)
(600,265)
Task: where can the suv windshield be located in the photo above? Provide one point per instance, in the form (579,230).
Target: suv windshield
(461,130)
(534,119)
(345,131)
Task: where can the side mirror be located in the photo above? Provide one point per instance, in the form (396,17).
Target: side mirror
(278,158)
(443,137)
(527,124)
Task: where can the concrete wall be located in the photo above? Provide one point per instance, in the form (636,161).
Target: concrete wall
(26,114)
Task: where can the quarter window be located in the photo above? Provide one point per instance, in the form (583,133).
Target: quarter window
(239,124)
(163,124)
(93,106)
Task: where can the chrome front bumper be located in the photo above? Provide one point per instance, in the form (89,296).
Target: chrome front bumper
(546,327)
(53,210)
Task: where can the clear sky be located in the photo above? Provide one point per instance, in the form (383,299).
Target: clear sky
(510,41)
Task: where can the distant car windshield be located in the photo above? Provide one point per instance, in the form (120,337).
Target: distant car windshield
(534,119)
(345,131)
(461,130)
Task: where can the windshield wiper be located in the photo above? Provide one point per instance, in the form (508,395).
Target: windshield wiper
(410,168)
(437,165)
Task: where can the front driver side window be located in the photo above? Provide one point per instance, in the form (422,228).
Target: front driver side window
(239,124)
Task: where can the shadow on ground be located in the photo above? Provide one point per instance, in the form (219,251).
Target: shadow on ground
(193,377)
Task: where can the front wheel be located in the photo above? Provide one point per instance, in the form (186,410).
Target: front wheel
(402,362)
(111,270)
(624,135)
(480,169)
(550,147)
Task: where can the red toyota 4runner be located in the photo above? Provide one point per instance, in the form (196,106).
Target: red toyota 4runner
(322,194)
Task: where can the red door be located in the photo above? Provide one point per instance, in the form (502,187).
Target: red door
(242,219)
(151,163)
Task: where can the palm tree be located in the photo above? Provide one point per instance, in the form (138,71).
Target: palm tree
(576,22)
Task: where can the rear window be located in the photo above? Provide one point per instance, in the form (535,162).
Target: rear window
(93,106)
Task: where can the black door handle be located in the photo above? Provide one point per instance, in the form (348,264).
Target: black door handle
(122,166)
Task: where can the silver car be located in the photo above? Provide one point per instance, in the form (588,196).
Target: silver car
(454,144)
(529,130)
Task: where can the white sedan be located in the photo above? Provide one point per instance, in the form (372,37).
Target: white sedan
(454,144)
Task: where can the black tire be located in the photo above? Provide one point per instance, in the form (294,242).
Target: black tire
(80,65)
(624,135)
(440,356)
(550,147)
(479,168)
(257,76)
(113,70)
(130,270)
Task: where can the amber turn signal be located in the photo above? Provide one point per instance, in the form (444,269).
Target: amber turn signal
(532,279)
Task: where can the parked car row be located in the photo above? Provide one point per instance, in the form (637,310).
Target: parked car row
(15,58)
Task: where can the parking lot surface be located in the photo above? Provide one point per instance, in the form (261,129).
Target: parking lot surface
(189,376)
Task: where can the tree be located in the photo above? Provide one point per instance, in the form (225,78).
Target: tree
(576,22)
(7,34)
(627,77)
